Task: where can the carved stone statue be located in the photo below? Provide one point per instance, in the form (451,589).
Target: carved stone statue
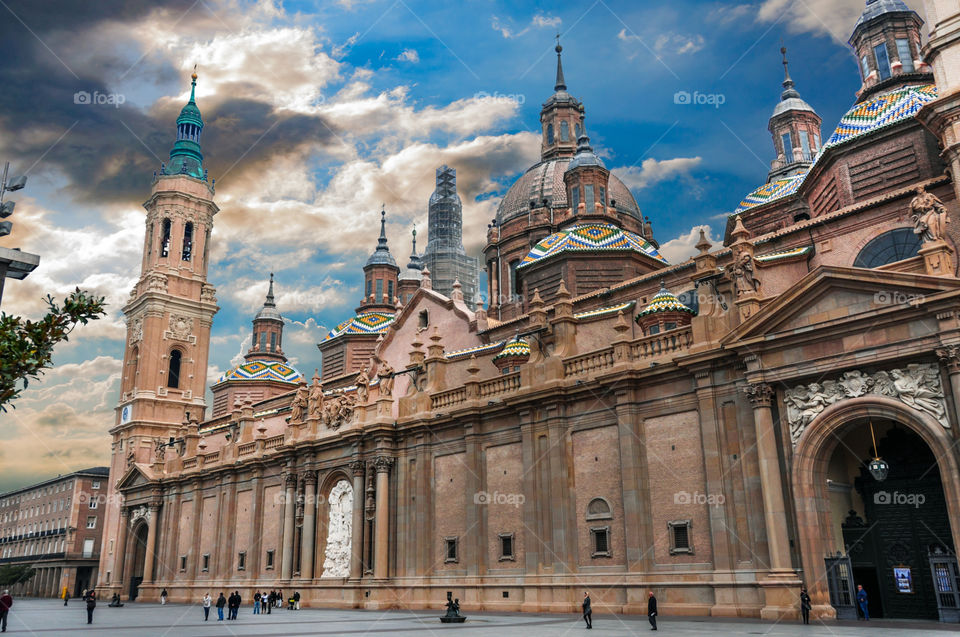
(385,373)
(160,451)
(315,400)
(453,615)
(336,561)
(299,404)
(929,216)
(363,386)
(741,273)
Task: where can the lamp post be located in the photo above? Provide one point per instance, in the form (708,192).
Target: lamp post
(13,263)
(878,467)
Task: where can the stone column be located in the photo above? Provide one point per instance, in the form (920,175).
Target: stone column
(774,511)
(289,512)
(150,552)
(254,543)
(949,356)
(381,549)
(120,557)
(356,541)
(308,537)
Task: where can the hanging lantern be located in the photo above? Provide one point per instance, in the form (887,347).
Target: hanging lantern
(878,467)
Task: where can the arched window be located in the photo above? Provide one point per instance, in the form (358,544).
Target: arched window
(173,375)
(576,127)
(187,242)
(549,133)
(165,239)
(599,509)
(890,247)
(564,131)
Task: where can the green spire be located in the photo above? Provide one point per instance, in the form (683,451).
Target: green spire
(185,156)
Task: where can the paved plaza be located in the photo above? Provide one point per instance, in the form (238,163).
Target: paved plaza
(49,617)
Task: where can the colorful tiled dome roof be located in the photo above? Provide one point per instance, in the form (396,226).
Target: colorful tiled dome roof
(592,237)
(364,323)
(263,370)
(664,301)
(771,191)
(515,348)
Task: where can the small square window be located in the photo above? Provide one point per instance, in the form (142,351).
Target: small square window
(680,540)
(451,553)
(95,484)
(206,562)
(93,503)
(183,563)
(92,522)
(506,547)
(600,539)
(270,558)
(242,560)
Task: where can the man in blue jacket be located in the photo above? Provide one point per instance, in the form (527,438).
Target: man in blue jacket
(862,601)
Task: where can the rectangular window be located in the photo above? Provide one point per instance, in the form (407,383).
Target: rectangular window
(270,558)
(603,196)
(805,144)
(451,555)
(242,561)
(263,341)
(93,503)
(88,547)
(95,484)
(379,295)
(588,198)
(600,537)
(273,341)
(369,288)
(206,562)
(787,147)
(91,522)
(883,60)
(575,199)
(903,52)
(864,66)
(183,563)
(514,282)
(680,541)
(506,547)
(390,290)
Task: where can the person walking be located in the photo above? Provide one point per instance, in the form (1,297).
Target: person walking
(587,611)
(272,598)
(237,602)
(863,602)
(64,595)
(6,603)
(652,610)
(280,598)
(221,602)
(206,606)
(256,603)
(805,605)
(91,599)
(296,600)
(163,597)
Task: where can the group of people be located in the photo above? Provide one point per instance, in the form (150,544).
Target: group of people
(651,610)
(263,603)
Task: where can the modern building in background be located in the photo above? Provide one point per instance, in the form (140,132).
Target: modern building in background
(444,256)
(56,527)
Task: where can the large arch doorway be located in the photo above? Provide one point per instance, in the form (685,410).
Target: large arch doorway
(139,559)
(889,536)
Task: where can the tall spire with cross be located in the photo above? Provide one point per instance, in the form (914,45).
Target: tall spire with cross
(560,84)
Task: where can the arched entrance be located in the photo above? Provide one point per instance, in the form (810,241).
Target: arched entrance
(139,558)
(881,534)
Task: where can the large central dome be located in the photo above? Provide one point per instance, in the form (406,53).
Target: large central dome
(545,181)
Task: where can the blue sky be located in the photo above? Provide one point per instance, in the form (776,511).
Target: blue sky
(319,112)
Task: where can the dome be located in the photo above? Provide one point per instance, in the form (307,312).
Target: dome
(792,104)
(263,370)
(593,237)
(514,349)
(877,8)
(585,155)
(364,323)
(545,181)
(664,301)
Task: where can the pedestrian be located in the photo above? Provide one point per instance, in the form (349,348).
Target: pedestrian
(256,603)
(237,601)
(6,603)
(805,605)
(280,598)
(206,606)
(652,610)
(231,601)
(587,611)
(272,598)
(163,597)
(91,599)
(296,600)
(221,602)
(862,602)
(64,595)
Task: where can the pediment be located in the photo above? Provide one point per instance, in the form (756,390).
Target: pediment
(832,294)
(136,477)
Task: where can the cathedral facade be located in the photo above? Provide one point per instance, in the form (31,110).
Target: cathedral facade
(778,411)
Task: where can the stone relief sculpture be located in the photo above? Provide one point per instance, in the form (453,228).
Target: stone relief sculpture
(363,387)
(336,561)
(338,410)
(315,400)
(741,273)
(298,405)
(917,386)
(929,216)
(385,373)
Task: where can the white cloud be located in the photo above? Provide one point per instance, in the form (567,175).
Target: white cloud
(678,44)
(653,171)
(681,248)
(541,21)
(409,55)
(834,18)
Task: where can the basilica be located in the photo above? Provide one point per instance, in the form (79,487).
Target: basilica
(775,412)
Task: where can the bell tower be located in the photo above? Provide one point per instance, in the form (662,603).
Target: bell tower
(169,315)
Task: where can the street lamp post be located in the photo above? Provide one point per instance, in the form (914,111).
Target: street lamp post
(13,262)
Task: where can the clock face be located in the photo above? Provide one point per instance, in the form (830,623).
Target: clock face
(125,414)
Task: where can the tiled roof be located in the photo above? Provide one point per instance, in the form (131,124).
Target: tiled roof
(664,301)
(592,237)
(263,370)
(874,114)
(516,348)
(603,311)
(479,349)
(784,254)
(364,323)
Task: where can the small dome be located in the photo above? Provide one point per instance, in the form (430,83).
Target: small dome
(516,348)
(792,104)
(592,237)
(664,301)
(585,155)
(877,8)
(364,323)
(263,370)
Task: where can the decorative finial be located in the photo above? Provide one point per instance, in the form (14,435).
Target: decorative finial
(194,75)
(270,302)
(786,70)
(663,283)
(561,84)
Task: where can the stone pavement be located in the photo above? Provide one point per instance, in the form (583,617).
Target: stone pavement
(50,618)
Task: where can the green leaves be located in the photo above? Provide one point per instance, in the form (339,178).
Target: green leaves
(11,574)
(26,347)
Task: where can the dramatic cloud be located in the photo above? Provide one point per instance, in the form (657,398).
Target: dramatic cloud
(681,248)
(653,171)
(834,18)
